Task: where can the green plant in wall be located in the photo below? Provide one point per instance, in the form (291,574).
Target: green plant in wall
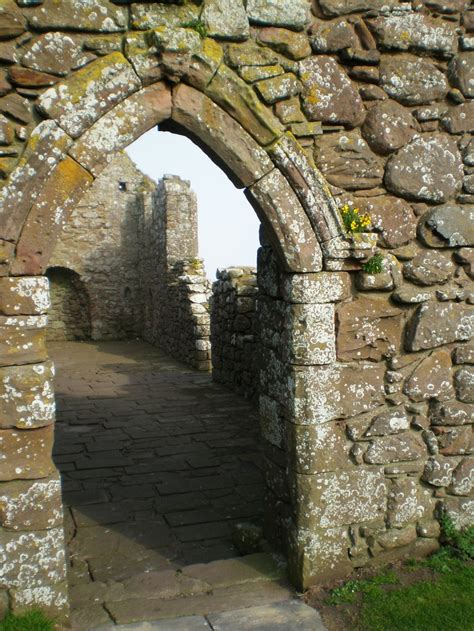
(197,25)
(374,265)
(460,541)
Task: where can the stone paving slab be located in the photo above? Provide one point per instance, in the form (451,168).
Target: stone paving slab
(189,623)
(286,616)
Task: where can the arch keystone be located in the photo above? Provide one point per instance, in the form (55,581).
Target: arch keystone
(239,154)
(240,101)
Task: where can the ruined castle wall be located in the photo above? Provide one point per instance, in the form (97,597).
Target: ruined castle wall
(176,291)
(234,335)
(101,245)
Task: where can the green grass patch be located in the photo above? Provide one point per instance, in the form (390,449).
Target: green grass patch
(31,621)
(444,603)
(348,593)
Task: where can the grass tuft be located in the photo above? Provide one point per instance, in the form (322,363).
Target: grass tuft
(31,621)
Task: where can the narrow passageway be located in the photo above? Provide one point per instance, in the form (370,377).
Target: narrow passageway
(158,465)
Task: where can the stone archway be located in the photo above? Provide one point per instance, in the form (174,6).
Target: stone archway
(335,481)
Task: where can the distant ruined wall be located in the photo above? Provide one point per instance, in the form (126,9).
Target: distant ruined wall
(234,335)
(101,244)
(175,289)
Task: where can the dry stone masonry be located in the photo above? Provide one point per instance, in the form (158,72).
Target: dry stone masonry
(366,380)
(234,334)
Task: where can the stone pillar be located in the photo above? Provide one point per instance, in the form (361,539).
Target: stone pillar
(175,211)
(32,547)
(313,488)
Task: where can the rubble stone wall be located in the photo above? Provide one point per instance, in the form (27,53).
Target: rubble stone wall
(234,335)
(366,379)
(69,314)
(101,245)
(173,281)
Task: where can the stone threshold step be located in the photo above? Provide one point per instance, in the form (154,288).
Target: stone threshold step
(289,615)
(193,580)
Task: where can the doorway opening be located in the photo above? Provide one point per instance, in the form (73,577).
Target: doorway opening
(161,466)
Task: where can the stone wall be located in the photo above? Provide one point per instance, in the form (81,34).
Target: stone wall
(69,315)
(101,245)
(234,335)
(174,285)
(129,255)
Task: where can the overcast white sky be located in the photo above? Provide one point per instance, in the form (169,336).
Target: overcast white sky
(228,226)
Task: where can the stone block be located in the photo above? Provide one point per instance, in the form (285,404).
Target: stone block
(328,94)
(408,501)
(31,505)
(309,334)
(388,126)
(464,384)
(318,449)
(451,413)
(278,88)
(461,73)
(333,499)
(52,52)
(394,421)
(368,328)
(26,454)
(12,22)
(412,81)
(32,561)
(323,393)
(431,378)
(121,126)
(24,186)
(231,93)
(58,197)
(396,448)
(454,441)
(287,226)
(286,42)
(463,478)
(71,15)
(27,396)
(413,31)
(272,423)
(24,296)
(439,177)
(22,340)
(241,155)
(346,160)
(461,510)
(225,19)
(77,102)
(51,599)
(148,15)
(293,14)
(438,470)
(459,119)
(435,324)
(317,555)
(429,268)
(316,288)
(278,616)
(345,7)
